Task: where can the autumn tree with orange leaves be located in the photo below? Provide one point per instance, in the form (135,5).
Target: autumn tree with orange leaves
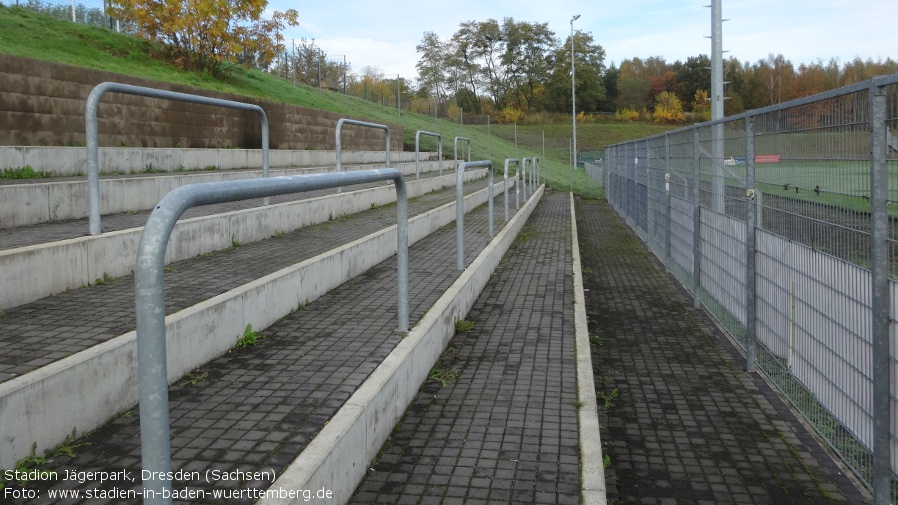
(208,34)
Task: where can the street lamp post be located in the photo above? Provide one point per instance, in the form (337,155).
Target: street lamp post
(573,102)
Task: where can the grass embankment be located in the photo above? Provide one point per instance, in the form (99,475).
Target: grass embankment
(41,37)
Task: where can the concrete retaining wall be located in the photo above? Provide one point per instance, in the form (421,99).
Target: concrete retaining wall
(41,202)
(33,272)
(85,390)
(337,458)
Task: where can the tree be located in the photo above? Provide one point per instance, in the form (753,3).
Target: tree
(527,50)
(775,76)
(668,109)
(432,66)
(610,80)
(701,105)
(694,75)
(635,83)
(589,59)
(207,34)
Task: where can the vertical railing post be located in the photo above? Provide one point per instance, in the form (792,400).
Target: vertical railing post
(418,151)
(339,141)
(456,149)
(505,178)
(460,207)
(881,355)
(751,301)
(402,253)
(696,220)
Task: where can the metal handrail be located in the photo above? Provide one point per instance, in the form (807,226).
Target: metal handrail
(517,204)
(456,149)
(460,206)
(150,295)
(339,141)
(417,150)
(93,155)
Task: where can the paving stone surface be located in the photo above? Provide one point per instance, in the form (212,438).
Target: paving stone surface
(497,423)
(41,332)
(685,424)
(255,409)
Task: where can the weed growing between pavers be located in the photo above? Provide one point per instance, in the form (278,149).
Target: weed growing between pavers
(25,172)
(249,337)
(28,468)
(193,377)
(102,281)
(464,326)
(444,376)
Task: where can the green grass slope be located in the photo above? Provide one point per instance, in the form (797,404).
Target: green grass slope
(41,37)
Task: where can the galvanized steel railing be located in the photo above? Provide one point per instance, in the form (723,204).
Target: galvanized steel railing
(418,150)
(93,156)
(460,206)
(339,141)
(516,185)
(150,296)
(780,220)
(456,149)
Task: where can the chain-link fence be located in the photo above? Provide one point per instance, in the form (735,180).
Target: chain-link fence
(781,222)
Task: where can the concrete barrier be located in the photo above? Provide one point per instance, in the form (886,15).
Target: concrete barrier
(337,458)
(72,161)
(87,389)
(34,272)
(592,466)
(40,202)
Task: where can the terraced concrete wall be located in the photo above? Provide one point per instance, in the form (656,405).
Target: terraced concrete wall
(42,104)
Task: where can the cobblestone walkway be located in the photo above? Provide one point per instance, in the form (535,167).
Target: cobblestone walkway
(684,423)
(497,421)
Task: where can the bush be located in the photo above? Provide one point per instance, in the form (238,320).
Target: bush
(627,114)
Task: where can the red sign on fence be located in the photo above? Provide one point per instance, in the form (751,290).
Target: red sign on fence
(767,158)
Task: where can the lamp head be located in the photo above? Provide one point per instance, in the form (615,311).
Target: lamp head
(575,18)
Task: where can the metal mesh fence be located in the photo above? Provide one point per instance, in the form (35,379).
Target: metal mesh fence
(812,183)
(92,12)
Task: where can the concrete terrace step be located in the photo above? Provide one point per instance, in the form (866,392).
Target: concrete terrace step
(257,408)
(71,161)
(70,357)
(31,201)
(31,272)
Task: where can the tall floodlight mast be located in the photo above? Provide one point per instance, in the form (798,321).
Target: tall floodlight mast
(717,98)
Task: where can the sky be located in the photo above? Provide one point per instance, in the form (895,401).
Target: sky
(384,34)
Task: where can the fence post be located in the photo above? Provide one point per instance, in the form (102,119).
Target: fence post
(751,301)
(667,194)
(882,472)
(649,218)
(696,220)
